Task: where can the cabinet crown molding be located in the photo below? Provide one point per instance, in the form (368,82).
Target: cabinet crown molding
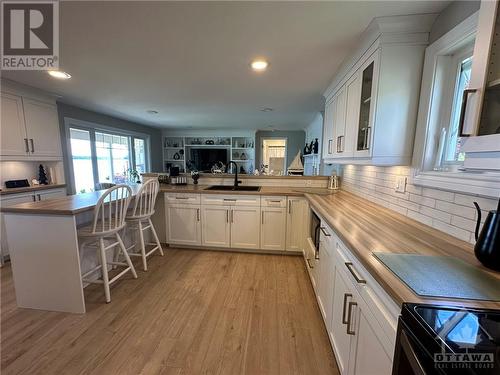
(407,29)
(26,91)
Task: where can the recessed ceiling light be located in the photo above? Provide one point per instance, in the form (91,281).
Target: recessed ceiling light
(152,112)
(267,109)
(59,74)
(259,65)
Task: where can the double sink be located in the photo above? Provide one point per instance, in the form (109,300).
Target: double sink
(233,188)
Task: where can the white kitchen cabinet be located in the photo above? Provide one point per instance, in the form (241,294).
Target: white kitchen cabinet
(183,224)
(369,356)
(30,128)
(13,139)
(216,227)
(374,95)
(12,199)
(341,341)
(273,228)
(297,220)
(328,128)
(42,128)
(481,100)
(245,227)
(326,274)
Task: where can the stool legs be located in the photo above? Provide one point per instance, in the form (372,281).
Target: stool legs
(155,236)
(143,247)
(104,264)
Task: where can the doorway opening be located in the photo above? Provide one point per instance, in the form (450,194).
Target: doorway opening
(274,152)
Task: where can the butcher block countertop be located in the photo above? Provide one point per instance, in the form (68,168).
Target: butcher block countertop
(365,227)
(265,190)
(28,189)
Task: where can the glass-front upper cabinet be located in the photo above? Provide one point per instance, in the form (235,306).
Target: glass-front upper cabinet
(364,126)
(480,110)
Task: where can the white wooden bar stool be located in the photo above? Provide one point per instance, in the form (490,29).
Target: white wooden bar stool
(109,219)
(139,218)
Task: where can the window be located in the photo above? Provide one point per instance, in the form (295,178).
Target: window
(463,65)
(104,156)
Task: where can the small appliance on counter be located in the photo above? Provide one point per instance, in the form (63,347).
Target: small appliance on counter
(333,182)
(434,339)
(178,180)
(12,184)
(487,247)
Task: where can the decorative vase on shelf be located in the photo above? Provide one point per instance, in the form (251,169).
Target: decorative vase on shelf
(316,146)
(307,151)
(195,175)
(42,176)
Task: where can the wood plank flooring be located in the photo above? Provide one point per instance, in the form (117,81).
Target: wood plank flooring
(193,312)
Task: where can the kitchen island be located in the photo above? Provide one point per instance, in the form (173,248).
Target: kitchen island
(44,252)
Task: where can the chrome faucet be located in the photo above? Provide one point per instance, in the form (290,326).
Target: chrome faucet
(236,181)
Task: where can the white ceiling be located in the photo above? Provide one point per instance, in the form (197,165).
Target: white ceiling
(190,60)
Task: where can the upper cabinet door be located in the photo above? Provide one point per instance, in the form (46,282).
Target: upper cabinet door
(339,123)
(42,127)
(13,131)
(481,100)
(328,129)
(364,126)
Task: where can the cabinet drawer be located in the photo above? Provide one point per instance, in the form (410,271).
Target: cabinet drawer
(184,198)
(273,201)
(231,199)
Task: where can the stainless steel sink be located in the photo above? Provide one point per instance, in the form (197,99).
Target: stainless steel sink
(232,188)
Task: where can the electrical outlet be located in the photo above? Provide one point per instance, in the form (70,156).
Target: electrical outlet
(400,185)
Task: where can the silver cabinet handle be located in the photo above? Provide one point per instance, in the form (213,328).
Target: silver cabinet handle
(289,207)
(330,141)
(309,263)
(262,215)
(358,279)
(181,198)
(325,232)
(229,200)
(26,145)
(275,200)
(32,145)
(346,296)
(227,216)
(232,216)
(39,197)
(34,198)
(198,214)
(349,317)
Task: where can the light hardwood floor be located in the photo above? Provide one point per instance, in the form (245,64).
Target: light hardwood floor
(193,312)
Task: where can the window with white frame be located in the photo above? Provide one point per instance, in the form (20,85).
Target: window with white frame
(105,156)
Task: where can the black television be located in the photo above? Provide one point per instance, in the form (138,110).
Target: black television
(204,158)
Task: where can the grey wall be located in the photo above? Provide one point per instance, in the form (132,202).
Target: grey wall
(295,143)
(451,16)
(66,110)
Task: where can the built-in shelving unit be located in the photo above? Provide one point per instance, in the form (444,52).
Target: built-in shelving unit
(241,150)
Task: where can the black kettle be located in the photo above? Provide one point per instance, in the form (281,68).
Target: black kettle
(487,248)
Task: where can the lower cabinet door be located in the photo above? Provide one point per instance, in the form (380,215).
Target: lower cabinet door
(338,328)
(272,228)
(183,224)
(245,227)
(215,226)
(368,355)
(296,224)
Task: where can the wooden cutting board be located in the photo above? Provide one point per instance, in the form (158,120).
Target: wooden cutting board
(441,276)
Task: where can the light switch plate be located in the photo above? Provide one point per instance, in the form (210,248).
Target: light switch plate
(400,184)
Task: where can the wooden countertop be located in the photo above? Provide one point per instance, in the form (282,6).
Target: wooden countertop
(365,227)
(265,190)
(74,204)
(243,176)
(68,205)
(27,189)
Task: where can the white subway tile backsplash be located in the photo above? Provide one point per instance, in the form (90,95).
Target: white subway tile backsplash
(425,201)
(446,211)
(438,194)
